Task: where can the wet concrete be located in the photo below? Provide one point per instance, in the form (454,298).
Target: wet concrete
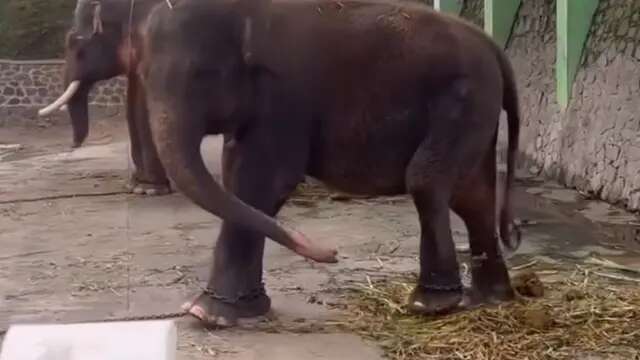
(75,247)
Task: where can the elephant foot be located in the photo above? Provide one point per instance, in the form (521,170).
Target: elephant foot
(215,311)
(431,301)
(474,299)
(146,188)
(490,283)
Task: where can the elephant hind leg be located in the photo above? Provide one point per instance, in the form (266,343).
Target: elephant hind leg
(474,201)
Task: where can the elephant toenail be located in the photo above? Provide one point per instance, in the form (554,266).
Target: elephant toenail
(198,312)
(186,306)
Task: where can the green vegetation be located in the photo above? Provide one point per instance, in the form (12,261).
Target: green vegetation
(34,29)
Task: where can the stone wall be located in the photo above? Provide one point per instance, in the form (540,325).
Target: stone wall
(473,10)
(594,145)
(38,83)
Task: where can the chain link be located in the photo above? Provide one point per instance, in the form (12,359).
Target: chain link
(249,295)
(162,316)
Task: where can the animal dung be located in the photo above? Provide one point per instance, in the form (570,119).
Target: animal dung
(528,284)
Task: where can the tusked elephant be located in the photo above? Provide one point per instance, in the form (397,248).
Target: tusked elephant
(99,46)
(369,96)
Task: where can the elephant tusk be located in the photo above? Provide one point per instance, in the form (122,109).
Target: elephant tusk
(62,100)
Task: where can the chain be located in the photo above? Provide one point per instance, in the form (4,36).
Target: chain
(249,295)
(162,316)
(442,287)
(438,282)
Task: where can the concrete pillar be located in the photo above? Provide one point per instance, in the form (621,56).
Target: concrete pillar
(573,19)
(499,17)
(449,6)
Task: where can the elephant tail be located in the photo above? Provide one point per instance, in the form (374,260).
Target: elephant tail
(509,233)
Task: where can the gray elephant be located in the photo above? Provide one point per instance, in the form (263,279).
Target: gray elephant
(101,46)
(370,96)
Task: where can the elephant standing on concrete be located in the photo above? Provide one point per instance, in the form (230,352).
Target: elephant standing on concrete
(104,42)
(369,96)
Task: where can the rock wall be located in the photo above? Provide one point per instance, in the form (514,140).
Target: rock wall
(38,83)
(473,10)
(594,145)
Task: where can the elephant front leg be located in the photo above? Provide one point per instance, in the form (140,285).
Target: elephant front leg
(148,177)
(235,288)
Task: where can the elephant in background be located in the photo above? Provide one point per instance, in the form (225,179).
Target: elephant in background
(374,97)
(104,42)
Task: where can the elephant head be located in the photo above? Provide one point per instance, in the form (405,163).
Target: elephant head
(201,82)
(97,47)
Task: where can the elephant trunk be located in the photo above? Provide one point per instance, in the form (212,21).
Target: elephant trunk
(179,150)
(76,100)
(78,107)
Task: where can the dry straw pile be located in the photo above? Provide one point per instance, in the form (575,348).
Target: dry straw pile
(582,312)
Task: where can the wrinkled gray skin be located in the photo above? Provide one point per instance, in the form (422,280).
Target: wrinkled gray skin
(97,48)
(370,96)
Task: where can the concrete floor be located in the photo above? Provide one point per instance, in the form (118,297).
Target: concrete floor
(67,258)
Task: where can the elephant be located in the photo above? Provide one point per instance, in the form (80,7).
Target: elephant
(99,47)
(371,97)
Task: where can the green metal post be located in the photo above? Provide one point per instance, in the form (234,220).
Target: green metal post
(499,16)
(449,6)
(573,23)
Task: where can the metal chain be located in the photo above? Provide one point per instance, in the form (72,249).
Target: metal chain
(162,316)
(249,295)
(442,287)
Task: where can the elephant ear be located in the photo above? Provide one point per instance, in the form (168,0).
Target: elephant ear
(255,15)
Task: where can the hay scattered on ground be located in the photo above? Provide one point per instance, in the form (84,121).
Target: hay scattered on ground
(580,313)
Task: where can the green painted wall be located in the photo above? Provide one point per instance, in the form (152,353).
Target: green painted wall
(499,16)
(573,22)
(449,6)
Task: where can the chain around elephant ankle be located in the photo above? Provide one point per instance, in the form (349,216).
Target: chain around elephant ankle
(456,287)
(479,259)
(441,281)
(247,296)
